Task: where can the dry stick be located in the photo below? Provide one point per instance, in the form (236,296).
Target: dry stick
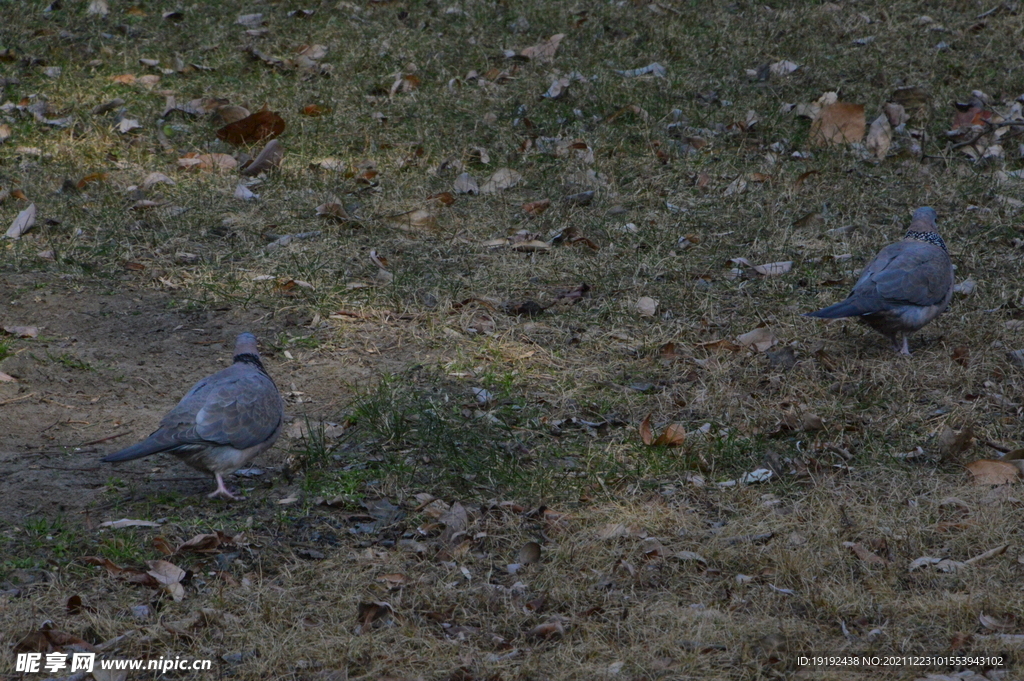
(17,399)
(109,437)
(62,452)
(988,554)
(173,479)
(989,127)
(58,468)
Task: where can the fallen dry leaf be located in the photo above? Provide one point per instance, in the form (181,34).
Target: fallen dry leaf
(112,568)
(207,161)
(207,543)
(782,68)
(169,576)
(443,198)
(646,434)
(721,345)
(243,193)
(465,184)
(760,339)
(613,531)
(966,287)
(503,178)
(543,52)
(156,178)
(371,612)
(970,117)
(950,444)
(249,20)
(252,129)
(531,246)
(557,89)
(674,434)
(394,580)
(414,220)
(536,208)
(690,556)
(774,269)
(314,51)
(404,83)
(333,209)
(865,554)
(653,68)
(22,331)
(22,223)
(838,123)
(548,630)
(228,113)
(270,157)
(879,137)
(647,306)
(127,522)
(797,421)
(162,545)
(737,186)
(529,553)
(49,640)
(993,472)
(996,623)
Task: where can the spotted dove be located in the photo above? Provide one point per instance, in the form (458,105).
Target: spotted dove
(907,285)
(223,422)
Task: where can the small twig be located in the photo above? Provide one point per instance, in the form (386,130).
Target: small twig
(971,141)
(173,479)
(989,128)
(105,439)
(17,399)
(988,554)
(845,453)
(998,446)
(59,404)
(63,452)
(58,468)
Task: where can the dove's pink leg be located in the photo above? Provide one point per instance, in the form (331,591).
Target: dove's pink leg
(222,490)
(905,350)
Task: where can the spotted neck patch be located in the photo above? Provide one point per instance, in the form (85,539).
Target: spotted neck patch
(932,238)
(249,358)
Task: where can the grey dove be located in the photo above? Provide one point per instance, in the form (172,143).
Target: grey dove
(223,422)
(907,285)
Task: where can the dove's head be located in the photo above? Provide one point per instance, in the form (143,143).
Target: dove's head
(245,344)
(925,217)
(923,228)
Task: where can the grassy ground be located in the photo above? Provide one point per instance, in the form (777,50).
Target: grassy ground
(383,366)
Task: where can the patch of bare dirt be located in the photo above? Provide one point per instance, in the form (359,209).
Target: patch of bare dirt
(107,366)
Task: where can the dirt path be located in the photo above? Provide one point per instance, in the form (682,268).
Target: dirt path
(111,364)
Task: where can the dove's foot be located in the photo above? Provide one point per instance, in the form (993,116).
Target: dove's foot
(223,491)
(902,349)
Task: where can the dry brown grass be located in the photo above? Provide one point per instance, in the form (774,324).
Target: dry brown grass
(397,367)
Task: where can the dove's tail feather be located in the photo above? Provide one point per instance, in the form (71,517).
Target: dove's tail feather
(851,307)
(147,447)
